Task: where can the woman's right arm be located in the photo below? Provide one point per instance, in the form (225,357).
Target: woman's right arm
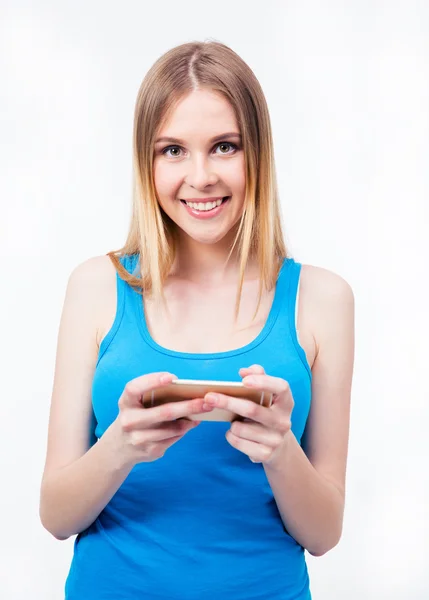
(80,477)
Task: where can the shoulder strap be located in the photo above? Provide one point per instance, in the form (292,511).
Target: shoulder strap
(292,297)
(293,291)
(120,307)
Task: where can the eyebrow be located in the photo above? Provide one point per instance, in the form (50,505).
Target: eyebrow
(217,138)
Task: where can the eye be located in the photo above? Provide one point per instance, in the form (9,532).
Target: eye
(165,150)
(220,144)
(230,144)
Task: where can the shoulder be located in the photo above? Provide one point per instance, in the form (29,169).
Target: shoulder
(329,298)
(94,277)
(325,284)
(93,282)
(94,271)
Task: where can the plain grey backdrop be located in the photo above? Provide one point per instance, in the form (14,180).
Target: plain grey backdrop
(347,85)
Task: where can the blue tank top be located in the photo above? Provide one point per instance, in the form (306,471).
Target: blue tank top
(200,523)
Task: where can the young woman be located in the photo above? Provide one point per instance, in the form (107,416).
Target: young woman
(167,504)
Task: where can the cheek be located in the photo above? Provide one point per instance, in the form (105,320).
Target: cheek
(164,180)
(237,176)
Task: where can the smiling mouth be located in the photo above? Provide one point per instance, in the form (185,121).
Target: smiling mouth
(206,206)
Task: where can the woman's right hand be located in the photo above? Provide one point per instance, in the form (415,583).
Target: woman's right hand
(144,434)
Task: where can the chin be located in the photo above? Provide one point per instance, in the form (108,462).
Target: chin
(207,239)
(206,233)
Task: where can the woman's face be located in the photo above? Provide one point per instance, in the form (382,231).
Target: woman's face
(195,167)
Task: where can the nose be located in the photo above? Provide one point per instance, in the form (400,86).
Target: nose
(200,173)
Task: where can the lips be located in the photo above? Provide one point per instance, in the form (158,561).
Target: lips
(203,200)
(207,205)
(211,211)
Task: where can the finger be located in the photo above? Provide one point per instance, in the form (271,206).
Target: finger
(240,406)
(164,444)
(273,419)
(282,394)
(171,430)
(134,389)
(256,452)
(159,447)
(136,419)
(255,432)
(275,385)
(254,369)
(174,410)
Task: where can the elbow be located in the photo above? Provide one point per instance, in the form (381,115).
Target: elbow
(321,550)
(59,536)
(325,545)
(45,514)
(44,520)
(56,534)
(316,553)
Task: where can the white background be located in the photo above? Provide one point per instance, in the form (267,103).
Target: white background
(347,85)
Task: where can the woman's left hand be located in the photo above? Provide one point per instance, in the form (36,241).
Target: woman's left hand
(265,432)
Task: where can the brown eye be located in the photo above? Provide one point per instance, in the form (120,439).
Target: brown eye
(227,145)
(169,149)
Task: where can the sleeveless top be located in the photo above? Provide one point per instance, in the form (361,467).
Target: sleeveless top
(200,523)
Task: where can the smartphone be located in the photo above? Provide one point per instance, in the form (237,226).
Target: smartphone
(186,389)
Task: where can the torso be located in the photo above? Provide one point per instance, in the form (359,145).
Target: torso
(201,320)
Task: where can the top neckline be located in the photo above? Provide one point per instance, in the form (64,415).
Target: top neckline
(268,325)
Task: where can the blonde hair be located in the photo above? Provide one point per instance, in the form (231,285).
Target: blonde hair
(193,66)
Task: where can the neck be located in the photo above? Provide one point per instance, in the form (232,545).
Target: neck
(206,263)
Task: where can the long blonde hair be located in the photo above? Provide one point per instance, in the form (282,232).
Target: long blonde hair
(192,66)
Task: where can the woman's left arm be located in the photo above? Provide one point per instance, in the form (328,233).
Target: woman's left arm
(308,481)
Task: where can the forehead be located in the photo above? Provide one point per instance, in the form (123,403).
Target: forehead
(201,114)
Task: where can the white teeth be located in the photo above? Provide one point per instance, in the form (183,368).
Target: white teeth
(203,206)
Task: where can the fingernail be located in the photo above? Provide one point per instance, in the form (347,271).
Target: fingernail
(166,378)
(210,398)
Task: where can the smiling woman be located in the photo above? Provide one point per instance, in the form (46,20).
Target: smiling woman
(198,165)
(167,502)
(206,136)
